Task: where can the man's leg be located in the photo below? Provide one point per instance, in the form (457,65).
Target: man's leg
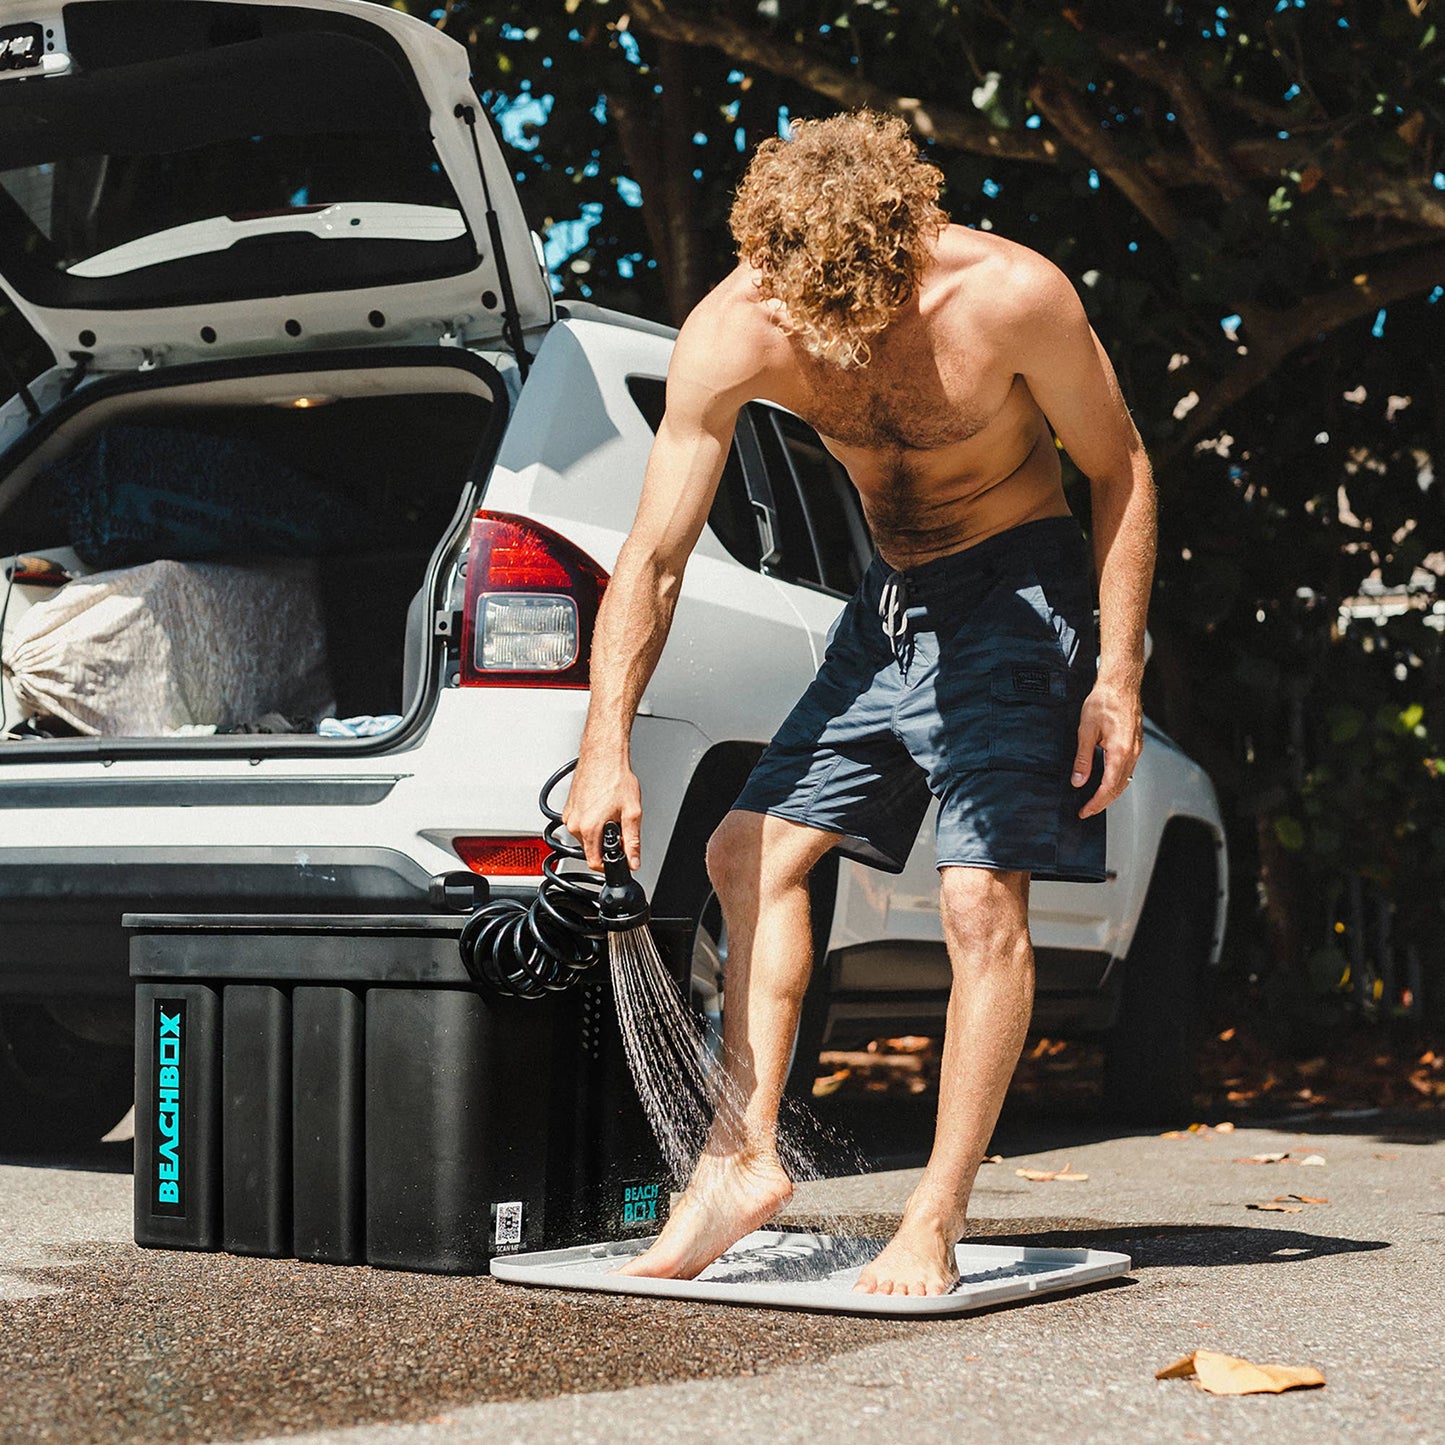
(986,924)
(759,865)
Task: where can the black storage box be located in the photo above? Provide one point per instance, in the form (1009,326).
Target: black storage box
(335,1089)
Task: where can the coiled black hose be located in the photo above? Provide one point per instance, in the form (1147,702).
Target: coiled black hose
(529,950)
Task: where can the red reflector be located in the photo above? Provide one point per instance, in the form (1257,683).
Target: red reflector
(502,857)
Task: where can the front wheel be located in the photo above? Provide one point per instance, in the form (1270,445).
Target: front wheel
(1151,1060)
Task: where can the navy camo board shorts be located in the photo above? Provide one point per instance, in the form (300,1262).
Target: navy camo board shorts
(959,679)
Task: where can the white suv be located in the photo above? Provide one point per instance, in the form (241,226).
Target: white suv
(296,312)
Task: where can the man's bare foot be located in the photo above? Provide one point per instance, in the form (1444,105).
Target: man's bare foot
(728,1196)
(918,1260)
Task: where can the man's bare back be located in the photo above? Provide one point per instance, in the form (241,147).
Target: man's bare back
(939,432)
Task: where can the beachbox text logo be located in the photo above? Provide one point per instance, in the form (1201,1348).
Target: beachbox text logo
(169,1094)
(639,1203)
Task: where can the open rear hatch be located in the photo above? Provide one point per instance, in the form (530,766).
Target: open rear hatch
(186,178)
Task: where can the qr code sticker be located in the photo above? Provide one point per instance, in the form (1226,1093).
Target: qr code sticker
(509,1222)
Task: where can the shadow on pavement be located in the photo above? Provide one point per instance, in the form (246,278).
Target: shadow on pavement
(1174,1246)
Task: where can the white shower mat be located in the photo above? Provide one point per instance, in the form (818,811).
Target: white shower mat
(790,1270)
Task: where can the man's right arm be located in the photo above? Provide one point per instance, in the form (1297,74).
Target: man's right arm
(682,477)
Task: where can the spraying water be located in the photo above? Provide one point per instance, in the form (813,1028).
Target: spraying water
(687,1084)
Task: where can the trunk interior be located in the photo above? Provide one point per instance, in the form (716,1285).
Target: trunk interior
(246,555)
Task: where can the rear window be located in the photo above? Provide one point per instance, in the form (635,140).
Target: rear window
(212,152)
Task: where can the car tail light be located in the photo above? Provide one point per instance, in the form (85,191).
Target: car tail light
(502,857)
(530,606)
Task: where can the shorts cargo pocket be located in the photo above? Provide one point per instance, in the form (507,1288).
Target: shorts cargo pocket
(1029,716)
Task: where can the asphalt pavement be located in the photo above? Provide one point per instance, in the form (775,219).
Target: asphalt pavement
(102,1342)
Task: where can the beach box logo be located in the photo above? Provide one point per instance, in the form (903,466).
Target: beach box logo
(639,1203)
(168,1092)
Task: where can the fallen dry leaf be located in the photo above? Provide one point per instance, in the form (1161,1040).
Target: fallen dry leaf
(1384,1156)
(1230,1375)
(1318,1160)
(1300,1199)
(1278,1208)
(991,1159)
(1263,1159)
(1042,1176)
(829,1083)
(1224,1128)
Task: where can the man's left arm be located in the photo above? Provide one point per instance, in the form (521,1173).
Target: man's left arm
(1075,386)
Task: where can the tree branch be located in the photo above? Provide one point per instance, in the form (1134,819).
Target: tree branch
(1061,106)
(1160,69)
(944,124)
(950,127)
(639,146)
(1210,161)
(1273,334)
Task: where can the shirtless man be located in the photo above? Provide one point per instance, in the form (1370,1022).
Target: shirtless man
(938,363)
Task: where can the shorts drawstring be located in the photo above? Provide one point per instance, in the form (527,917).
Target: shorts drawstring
(896,616)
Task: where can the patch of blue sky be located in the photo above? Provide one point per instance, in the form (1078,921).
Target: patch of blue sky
(509,31)
(1435,295)
(1378,329)
(1133,245)
(301,197)
(566,238)
(1033,122)
(1438,181)
(599,111)
(699,138)
(784,119)
(740,140)
(627,44)
(991,188)
(735,77)
(574,35)
(1230,323)
(628,191)
(591,168)
(1093,180)
(1291,92)
(525,110)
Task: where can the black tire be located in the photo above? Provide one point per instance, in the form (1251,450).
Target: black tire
(58,1091)
(1151,1059)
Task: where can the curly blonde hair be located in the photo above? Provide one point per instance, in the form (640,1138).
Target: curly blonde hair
(837,219)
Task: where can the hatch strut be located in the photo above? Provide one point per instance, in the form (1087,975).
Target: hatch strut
(21,390)
(511,319)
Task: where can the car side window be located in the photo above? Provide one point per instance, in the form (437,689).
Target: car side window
(824,537)
(731,517)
